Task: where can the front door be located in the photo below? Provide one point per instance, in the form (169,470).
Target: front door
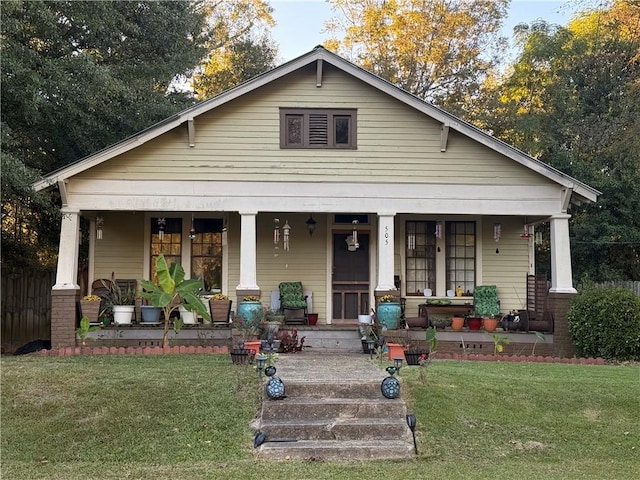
(350,282)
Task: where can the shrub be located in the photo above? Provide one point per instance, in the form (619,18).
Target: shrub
(606,323)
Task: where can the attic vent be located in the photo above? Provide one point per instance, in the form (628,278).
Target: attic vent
(318,132)
(318,128)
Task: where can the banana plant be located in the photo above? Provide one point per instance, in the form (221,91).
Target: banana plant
(171,292)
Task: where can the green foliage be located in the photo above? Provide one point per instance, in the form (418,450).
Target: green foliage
(172,291)
(436,50)
(85,328)
(571,100)
(498,343)
(606,323)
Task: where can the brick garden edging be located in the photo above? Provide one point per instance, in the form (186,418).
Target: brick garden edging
(69,351)
(519,358)
(182,349)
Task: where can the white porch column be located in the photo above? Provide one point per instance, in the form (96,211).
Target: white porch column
(248,277)
(561,276)
(386,243)
(67,273)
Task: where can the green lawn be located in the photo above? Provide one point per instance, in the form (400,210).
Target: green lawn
(187,417)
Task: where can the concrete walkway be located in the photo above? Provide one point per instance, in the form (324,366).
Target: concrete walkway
(315,367)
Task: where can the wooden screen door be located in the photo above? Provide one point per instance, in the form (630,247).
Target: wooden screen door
(350,279)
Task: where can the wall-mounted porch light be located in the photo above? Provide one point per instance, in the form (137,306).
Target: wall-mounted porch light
(99,225)
(311,225)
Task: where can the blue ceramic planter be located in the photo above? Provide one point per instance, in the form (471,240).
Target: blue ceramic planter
(389,315)
(250,313)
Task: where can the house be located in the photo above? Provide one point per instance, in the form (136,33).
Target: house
(321,172)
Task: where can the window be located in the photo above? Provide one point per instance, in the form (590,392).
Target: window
(169,242)
(461,255)
(421,257)
(206,252)
(317,128)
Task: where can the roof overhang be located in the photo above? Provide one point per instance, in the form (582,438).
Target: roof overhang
(579,192)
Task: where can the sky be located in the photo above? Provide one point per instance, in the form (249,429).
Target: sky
(300,22)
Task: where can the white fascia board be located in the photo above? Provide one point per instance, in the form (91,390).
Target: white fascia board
(207,196)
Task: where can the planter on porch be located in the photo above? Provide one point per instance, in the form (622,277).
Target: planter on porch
(395,350)
(122,314)
(150,314)
(91,308)
(474,323)
(250,313)
(388,314)
(220,310)
(457,323)
(490,324)
(188,317)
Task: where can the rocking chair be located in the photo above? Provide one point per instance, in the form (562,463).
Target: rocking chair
(292,299)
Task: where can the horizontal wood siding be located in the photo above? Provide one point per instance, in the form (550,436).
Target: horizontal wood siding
(121,250)
(395,143)
(306,260)
(507,269)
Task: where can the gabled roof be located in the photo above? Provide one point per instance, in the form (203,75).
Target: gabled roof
(581,191)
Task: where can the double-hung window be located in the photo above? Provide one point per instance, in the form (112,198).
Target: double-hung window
(317,128)
(421,257)
(461,255)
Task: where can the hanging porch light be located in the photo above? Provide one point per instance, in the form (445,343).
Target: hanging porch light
(99,225)
(192,230)
(162,223)
(352,240)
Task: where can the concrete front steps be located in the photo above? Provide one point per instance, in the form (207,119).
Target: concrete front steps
(334,420)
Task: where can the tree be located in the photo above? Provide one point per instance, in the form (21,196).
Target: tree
(240,48)
(572,99)
(435,49)
(77,76)
(233,65)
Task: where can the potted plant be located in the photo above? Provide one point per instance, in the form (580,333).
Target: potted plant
(220,307)
(150,313)
(474,322)
(249,328)
(414,355)
(490,323)
(250,311)
(90,306)
(389,312)
(272,320)
(122,302)
(457,323)
(172,291)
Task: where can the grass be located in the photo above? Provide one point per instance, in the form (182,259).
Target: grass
(188,417)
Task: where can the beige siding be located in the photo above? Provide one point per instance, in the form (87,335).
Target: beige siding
(305,261)
(395,143)
(121,250)
(507,269)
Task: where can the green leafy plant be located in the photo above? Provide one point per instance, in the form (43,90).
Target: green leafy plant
(539,337)
(172,291)
(85,328)
(605,322)
(426,358)
(499,343)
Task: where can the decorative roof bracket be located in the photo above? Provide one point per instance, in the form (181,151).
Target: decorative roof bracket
(444,137)
(319,73)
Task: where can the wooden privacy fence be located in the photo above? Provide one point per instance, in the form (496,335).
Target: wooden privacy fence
(26,307)
(633,286)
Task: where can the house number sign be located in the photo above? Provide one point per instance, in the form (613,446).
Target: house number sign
(386,235)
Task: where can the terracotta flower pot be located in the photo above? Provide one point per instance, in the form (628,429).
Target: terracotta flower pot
(490,324)
(457,323)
